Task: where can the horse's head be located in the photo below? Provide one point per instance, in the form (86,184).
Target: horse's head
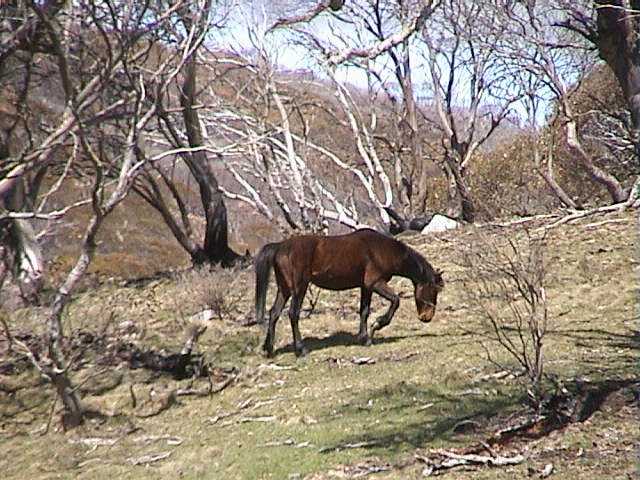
(426,294)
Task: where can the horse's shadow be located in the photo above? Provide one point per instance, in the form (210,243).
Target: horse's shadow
(343,339)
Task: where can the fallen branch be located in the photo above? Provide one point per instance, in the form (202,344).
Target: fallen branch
(508,432)
(205,391)
(289,442)
(604,222)
(453,460)
(146,459)
(344,446)
(148,439)
(193,333)
(519,221)
(257,419)
(363,360)
(585,213)
(400,358)
(95,442)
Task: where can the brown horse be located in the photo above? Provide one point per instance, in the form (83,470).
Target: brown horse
(365,259)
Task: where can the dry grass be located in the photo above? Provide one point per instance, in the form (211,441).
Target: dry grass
(295,419)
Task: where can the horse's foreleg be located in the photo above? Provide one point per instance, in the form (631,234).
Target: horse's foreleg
(382,289)
(365,308)
(294,316)
(274,314)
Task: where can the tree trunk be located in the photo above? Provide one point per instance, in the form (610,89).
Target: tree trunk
(619,46)
(216,243)
(546,172)
(19,239)
(616,191)
(460,202)
(419,200)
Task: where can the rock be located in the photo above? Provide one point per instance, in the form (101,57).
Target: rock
(203,316)
(440,223)
(547,470)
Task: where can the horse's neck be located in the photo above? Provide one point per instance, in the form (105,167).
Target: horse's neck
(413,267)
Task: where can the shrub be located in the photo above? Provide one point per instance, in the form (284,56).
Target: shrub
(504,285)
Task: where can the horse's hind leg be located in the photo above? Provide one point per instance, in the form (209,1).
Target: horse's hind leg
(294,316)
(274,314)
(365,308)
(382,289)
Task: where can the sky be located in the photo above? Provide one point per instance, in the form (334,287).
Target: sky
(251,19)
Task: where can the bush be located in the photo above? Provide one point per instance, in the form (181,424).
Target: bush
(220,290)
(504,284)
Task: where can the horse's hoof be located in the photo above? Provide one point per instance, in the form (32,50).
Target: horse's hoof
(302,352)
(267,352)
(365,340)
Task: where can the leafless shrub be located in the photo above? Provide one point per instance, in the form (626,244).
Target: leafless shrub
(504,285)
(216,289)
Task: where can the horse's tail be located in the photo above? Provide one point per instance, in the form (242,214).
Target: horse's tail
(263,264)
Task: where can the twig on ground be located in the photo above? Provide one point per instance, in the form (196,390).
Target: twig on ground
(604,222)
(289,442)
(146,459)
(257,419)
(94,442)
(148,439)
(344,446)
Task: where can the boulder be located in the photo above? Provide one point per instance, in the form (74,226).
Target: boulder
(440,223)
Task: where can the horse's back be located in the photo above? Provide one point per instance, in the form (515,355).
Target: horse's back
(339,262)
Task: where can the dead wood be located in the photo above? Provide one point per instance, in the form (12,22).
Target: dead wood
(617,207)
(442,460)
(193,334)
(146,459)
(344,446)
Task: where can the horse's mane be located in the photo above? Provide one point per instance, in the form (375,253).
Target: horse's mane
(424,270)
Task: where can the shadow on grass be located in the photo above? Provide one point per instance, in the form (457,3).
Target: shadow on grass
(345,339)
(408,424)
(619,340)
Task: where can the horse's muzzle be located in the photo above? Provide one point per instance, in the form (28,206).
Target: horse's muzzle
(427,314)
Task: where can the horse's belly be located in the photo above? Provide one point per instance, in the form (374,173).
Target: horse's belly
(335,282)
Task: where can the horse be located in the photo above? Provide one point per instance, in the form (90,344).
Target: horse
(363,259)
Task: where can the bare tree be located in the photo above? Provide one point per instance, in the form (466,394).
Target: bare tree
(472,92)
(372,175)
(194,23)
(613,27)
(561,60)
(105,68)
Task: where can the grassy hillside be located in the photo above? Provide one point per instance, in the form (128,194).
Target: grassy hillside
(346,410)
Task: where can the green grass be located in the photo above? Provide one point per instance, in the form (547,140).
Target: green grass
(422,384)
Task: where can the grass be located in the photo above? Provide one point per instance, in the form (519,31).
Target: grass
(326,416)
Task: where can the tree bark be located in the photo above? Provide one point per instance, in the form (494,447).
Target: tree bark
(616,191)
(619,45)
(460,202)
(216,248)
